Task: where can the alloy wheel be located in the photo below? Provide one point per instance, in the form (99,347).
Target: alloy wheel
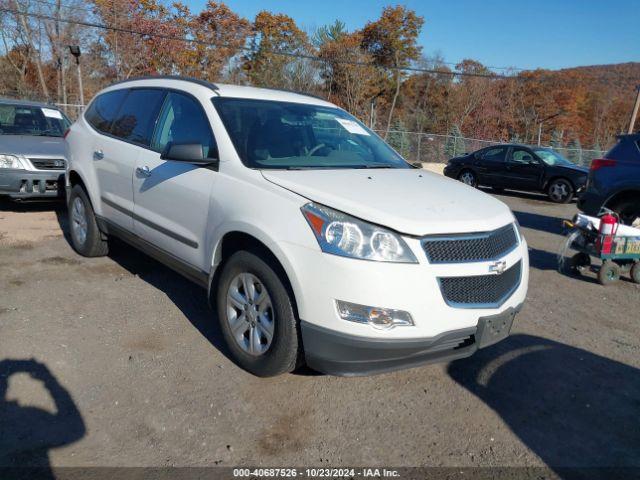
(79,220)
(468,179)
(250,314)
(558,191)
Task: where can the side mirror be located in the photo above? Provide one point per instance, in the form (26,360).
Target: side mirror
(187,152)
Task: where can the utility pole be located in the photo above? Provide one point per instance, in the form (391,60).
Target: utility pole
(75,51)
(544,120)
(636,107)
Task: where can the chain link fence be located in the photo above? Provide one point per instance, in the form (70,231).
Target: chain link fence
(436,148)
(424,147)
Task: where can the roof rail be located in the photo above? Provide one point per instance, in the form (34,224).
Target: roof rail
(294,91)
(198,81)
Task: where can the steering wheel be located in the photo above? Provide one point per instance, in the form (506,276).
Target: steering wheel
(315,149)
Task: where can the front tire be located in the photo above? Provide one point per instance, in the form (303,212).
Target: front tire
(257,316)
(86,237)
(468,178)
(560,191)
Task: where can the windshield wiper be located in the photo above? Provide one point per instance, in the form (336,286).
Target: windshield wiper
(374,165)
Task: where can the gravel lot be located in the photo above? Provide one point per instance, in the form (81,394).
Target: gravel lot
(118,361)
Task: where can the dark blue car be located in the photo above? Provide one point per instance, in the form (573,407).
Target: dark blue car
(614,182)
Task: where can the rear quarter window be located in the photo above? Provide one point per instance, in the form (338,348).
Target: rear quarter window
(625,150)
(102,111)
(137,116)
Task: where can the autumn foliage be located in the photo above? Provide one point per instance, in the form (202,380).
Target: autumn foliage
(370,71)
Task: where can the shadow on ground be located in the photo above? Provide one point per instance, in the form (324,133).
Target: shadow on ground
(542,260)
(27,433)
(7,205)
(543,223)
(571,407)
(187,296)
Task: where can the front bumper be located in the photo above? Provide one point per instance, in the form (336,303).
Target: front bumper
(335,353)
(19,184)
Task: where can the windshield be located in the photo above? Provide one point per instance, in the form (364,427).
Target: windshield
(283,135)
(551,157)
(30,120)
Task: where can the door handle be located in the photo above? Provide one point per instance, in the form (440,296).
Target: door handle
(98,154)
(143,171)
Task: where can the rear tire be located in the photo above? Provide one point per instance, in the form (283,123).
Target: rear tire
(86,237)
(560,191)
(262,335)
(468,178)
(628,211)
(609,273)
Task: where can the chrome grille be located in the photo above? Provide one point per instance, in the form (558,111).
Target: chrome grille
(481,291)
(48,163)
(472,247)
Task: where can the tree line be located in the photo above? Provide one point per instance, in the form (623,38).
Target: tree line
(378,72)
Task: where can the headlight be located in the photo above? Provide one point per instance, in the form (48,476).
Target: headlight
(11,161)
(518,228)
(341,234)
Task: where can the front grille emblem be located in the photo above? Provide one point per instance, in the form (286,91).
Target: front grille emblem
(498,267)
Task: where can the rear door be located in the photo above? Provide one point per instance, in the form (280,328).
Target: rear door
(172,197)
(129,135)
(490,165)
(113,165)
(524,170)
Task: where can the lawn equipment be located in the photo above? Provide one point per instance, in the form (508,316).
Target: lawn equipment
(605,238)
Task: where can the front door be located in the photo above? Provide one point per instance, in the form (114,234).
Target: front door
(172,197)
(523,169)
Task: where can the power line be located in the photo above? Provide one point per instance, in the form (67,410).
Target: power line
(248,49)
(63,5)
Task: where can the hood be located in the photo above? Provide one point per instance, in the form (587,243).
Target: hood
(573,168)
(32,146)
(414,202)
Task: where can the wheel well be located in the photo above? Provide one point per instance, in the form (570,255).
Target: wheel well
(467,169)
(233,242)
(623,196)
(75,179)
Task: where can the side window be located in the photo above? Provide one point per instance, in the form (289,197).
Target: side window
(103,110)
(136,118)
(182,120)
(496,154)
(520,155)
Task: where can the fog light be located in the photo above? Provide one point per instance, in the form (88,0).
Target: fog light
(381,318)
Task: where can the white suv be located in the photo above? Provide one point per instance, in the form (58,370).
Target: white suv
(316,241)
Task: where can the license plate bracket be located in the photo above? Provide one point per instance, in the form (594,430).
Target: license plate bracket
(493,328)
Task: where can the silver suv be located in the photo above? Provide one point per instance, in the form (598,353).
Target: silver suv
(32,160)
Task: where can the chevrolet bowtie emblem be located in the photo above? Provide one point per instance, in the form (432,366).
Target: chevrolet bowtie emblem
(498,267)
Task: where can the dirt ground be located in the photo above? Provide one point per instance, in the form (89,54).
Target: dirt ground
(118,361)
